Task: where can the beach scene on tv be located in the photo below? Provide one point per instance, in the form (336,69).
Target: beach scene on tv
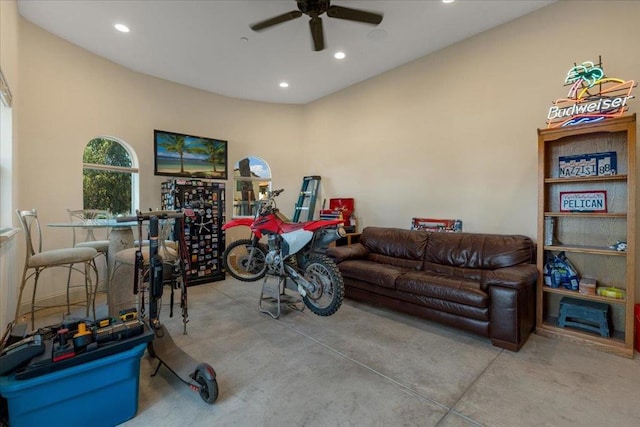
(190,156)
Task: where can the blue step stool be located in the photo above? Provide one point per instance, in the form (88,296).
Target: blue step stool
(591,316)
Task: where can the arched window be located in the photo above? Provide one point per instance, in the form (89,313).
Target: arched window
(110,176)
(252,180)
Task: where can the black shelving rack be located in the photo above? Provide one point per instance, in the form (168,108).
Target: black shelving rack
(203,230)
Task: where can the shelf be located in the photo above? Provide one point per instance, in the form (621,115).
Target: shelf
(577,179)
(622,215)
(615,344)
(618,336)
(586,236)
(576,294)
(596,250)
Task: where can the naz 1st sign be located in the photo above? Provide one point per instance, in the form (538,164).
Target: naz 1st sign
(592,97)
(583,201)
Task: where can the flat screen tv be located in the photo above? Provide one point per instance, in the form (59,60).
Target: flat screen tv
(181,155)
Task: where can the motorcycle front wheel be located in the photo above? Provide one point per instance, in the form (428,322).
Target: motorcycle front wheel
(328,293)
(245,261)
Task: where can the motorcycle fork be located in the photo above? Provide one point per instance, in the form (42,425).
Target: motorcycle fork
(254,247)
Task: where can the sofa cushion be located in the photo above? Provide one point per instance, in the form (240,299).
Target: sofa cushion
(475,274)
(446,288)
(456,313)
(384,275)
(395,246)
(471,250)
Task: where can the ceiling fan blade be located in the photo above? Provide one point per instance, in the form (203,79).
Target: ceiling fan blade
(276,20)
(341,12)
(317,34)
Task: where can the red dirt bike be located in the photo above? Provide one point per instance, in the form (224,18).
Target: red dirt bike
(293,250)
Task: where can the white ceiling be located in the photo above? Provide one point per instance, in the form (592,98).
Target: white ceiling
(200,43)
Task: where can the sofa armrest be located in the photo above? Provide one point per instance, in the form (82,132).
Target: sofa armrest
(512,304)
(343,253)
(516,277)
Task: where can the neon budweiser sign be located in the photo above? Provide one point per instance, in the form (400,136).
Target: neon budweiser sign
(592,97)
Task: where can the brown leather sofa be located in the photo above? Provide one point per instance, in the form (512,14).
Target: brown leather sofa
(483,283)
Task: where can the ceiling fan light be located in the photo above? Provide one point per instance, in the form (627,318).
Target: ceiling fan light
(339,55)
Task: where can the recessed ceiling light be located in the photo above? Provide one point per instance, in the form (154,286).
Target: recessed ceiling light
(339,55)
(284,84)
(122,28)
(447,1)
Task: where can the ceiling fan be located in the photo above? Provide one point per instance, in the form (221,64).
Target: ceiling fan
(315,8)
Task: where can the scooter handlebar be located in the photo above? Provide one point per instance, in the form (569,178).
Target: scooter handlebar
(143,216)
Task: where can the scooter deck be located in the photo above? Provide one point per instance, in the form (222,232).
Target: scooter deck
(174,358)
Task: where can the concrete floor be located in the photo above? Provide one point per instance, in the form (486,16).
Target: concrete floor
(366,366)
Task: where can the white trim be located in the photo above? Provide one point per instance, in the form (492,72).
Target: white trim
(109,168)
(7,233)
(251,178)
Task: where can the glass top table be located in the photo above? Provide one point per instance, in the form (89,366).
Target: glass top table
(95,223)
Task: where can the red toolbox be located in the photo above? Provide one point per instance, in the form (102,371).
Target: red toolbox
(337,207)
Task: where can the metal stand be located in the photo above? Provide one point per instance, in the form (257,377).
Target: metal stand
(274,293)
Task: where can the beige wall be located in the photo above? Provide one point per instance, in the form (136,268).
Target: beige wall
(453,134)
(73,96)
(450,135)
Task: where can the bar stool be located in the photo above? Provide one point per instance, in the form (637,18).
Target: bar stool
(37,260)
(90,217)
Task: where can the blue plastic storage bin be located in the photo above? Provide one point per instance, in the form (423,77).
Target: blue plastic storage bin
(103,392)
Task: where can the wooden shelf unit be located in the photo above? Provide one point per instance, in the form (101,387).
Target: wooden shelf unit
(585,236)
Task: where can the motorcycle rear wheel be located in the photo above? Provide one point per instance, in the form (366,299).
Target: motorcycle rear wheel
(324,274)
(244,261)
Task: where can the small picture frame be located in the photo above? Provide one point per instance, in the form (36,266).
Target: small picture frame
(583,201)
(433,224)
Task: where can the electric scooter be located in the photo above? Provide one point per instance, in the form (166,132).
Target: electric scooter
(199,376)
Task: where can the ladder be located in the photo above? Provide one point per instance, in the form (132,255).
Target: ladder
(307,199)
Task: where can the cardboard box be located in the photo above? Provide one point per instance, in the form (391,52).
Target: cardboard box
(103,392)
(587,286)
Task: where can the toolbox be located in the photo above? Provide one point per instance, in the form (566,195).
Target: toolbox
(101,392)
(341,209)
